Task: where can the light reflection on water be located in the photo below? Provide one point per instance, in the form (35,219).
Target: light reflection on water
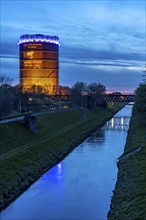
(120,121)
(80,187)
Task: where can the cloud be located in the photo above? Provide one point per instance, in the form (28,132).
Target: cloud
(106,37)
(120,80)
(104,25)
(10,67)
(101,59)
(9,50)
(75,61)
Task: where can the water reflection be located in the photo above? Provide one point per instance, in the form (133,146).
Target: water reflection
(59,168)
(112,122)
(98,136)
(80,187)
(118,123)
(55,175)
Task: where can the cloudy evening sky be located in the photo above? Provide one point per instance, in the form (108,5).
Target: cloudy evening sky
(101,41)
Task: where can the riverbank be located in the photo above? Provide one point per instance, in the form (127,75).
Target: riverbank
(129,197)
(26,156)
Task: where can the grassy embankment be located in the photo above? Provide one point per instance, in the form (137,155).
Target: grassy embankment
(129,198)
(25,156)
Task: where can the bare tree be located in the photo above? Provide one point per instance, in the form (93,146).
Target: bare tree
(6,101)
(5,80)
(6,96)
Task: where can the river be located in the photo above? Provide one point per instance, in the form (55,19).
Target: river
(79,187)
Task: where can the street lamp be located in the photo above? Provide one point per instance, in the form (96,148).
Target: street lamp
(20,107)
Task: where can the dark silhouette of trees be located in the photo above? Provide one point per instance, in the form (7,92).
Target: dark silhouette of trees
(95,88)
(140,98)
(6,100)
(79,86)
(13,98)
(6,96)
(76,93)
(96,92)
(88,95)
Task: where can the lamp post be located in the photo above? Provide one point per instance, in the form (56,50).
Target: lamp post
(30,102)
(20,106)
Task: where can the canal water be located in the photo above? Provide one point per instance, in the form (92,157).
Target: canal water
(80,187)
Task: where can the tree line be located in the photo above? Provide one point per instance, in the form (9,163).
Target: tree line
(80,94)
(88,95)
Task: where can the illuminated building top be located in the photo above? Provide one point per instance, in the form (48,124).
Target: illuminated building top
(38,38)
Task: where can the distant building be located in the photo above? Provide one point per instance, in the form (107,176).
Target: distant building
(39,62)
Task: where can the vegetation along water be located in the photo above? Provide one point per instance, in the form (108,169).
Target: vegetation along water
(28,155)
(129,198)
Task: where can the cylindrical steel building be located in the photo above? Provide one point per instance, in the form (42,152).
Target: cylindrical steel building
(39,63)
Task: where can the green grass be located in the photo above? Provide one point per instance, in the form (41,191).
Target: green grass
(48,124)
(129,198)
(25,156)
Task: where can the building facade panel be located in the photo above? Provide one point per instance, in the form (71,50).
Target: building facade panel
(51,55)
(39,64)
(36,74)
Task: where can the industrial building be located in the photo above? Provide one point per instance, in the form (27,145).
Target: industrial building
(39,63)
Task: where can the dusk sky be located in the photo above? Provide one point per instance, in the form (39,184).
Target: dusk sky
(101,41)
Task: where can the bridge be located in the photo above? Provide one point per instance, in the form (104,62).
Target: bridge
(119,97)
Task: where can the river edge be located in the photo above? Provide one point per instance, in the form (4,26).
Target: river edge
(20,182)
(129,196)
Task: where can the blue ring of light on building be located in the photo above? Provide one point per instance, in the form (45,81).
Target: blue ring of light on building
(38,38)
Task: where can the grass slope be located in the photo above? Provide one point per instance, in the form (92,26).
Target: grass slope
(25,156)
(129,198)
